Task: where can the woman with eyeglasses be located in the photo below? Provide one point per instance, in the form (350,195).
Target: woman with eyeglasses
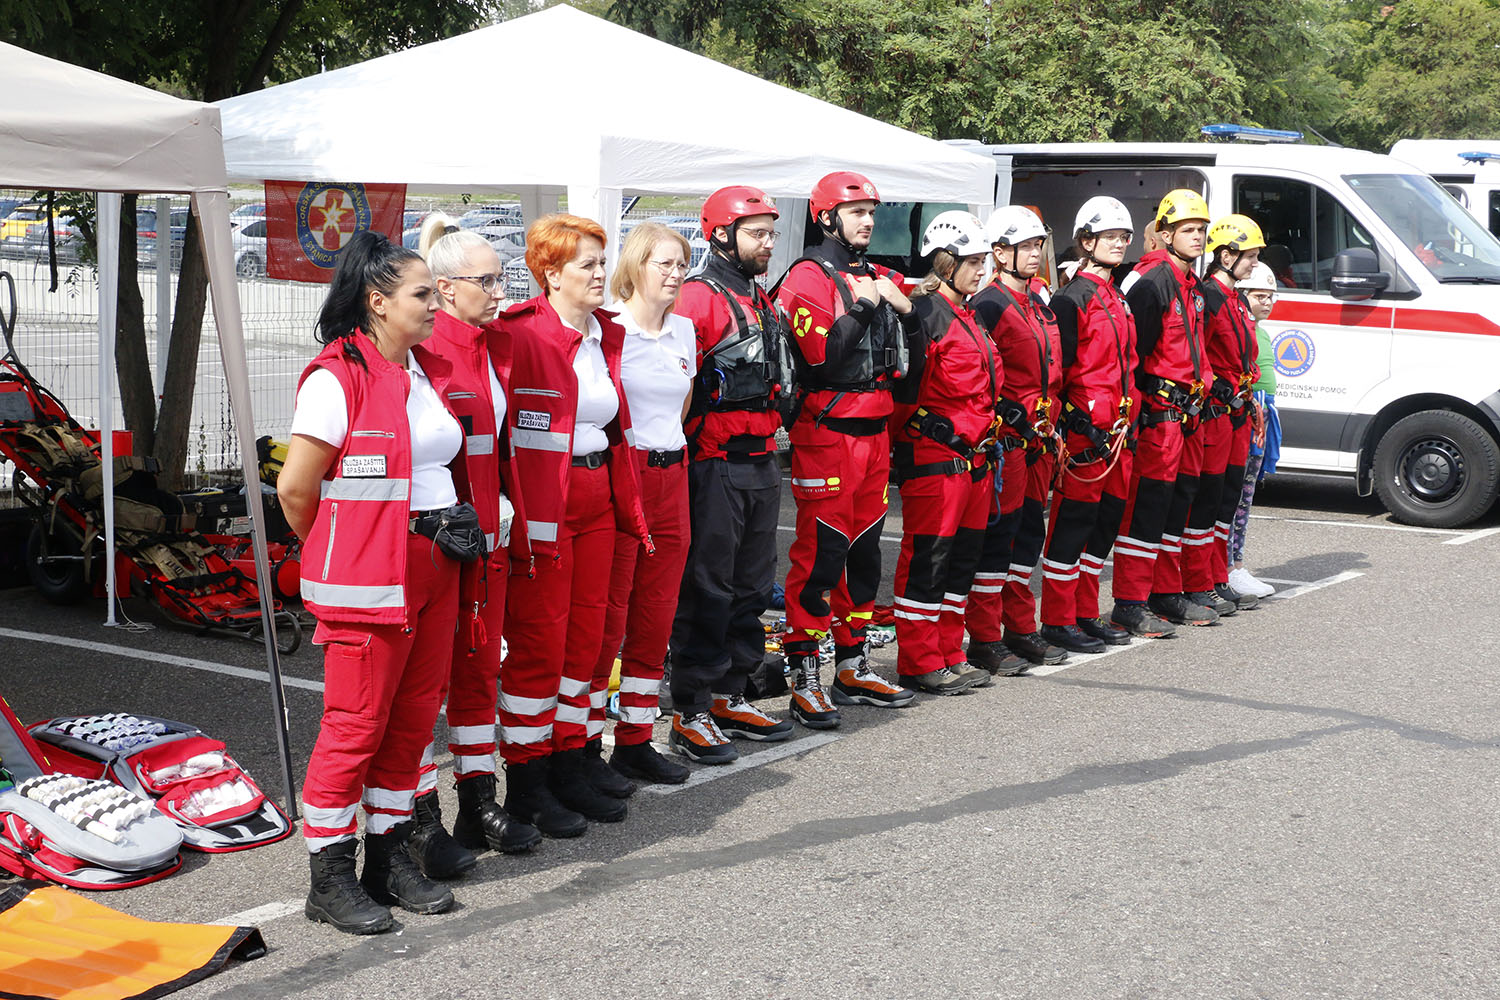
(569,425)
(658,362)
(470,288)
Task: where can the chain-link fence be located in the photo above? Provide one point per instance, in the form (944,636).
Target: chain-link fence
(57,338)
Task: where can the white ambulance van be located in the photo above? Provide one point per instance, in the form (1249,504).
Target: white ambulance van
(1468,168)
(1386,331)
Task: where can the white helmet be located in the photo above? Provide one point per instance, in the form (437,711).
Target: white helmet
(955,231)
(1100,214)
(1260,279)
(1014,224)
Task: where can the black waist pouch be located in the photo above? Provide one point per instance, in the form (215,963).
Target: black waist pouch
(455,530)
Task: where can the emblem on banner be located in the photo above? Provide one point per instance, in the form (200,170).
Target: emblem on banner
(327,216)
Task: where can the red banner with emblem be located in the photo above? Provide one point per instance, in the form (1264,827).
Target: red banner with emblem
(308,224)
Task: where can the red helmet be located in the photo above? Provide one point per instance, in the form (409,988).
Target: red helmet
(727,206)
(839,187)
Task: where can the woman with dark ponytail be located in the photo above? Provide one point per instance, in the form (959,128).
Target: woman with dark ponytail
(369,484)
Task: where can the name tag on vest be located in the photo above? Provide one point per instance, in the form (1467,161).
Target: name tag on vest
(363,467)
(534,420)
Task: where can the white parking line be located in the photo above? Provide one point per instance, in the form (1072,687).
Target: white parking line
(257,915)
(1472,536)
(1354,524)
(1297,589)
(151,656)
(703,775)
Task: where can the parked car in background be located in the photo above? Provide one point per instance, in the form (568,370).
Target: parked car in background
(505,214)
(146,237)
(509,241)
(255,210)
(9,205)
(517,279)
(13,227)
(69,241)
(249,241)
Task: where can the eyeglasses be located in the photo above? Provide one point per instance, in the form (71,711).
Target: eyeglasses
(669,267)
(590,264)
(1114,236)
(765,237)
(486,282)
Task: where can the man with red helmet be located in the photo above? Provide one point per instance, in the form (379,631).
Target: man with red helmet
(849,321)
(734,483)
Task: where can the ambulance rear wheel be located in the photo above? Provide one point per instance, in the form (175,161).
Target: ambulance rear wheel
(61,581)
(1437,469)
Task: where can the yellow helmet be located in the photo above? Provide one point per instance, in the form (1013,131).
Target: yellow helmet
(1180,206)
(1235,232)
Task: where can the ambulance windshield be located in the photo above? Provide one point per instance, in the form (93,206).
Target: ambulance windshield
(1449,242)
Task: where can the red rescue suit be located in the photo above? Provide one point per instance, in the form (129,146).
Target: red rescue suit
(1099,361)
(734,486)
(1173,375)
(386,600)
(551,696)
(1025,334)
(941,445)
(849,352)
(470,353)
(1230,332)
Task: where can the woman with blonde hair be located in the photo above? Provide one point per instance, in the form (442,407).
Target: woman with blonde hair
(569,424)
(658,362)
(471,288)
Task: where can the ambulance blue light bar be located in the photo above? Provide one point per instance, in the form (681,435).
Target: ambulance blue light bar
(1478,157)
(1249,133)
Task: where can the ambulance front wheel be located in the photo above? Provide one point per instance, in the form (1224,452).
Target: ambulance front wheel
(55,566)
(1437,469)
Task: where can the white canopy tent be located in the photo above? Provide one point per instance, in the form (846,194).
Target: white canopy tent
(62,127)
(593,109)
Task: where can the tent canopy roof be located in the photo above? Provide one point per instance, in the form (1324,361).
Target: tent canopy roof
(538,102)
(71,128)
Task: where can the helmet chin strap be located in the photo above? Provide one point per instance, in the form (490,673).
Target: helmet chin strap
(729,249)
(836,231)
(1187,262)
(1014,253)
(1089,256)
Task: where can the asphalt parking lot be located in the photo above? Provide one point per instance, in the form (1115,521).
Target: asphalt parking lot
(1298,802)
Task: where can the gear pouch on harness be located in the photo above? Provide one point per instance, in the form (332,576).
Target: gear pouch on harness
(880,355)
(752,369)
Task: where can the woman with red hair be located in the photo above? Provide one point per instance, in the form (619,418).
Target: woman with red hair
(570,429)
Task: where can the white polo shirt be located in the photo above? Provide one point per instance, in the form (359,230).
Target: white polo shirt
(657,371)
(436,437)
(598,402)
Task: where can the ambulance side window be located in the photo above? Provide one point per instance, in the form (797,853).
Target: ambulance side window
(1495,212)
(1305,228)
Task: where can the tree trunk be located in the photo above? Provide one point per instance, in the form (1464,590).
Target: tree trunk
(132,366)
(174,424)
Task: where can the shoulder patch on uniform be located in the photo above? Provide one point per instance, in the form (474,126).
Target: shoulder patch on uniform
(534,420)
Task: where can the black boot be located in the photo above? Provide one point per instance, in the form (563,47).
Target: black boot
(603,777)
(641,762)
(337,898)
(392,877)
(997,659)
(436,853)
(529,800)
(482,823)
(568,778)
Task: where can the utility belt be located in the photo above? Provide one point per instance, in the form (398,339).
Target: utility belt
(855,426)
(938,428)
(1189,401)
(665,459)
(743,449)
(1014,415)
(592,460)
(905,470)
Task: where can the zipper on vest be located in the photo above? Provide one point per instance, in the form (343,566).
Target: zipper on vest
(462,395)
(368,434)
(537,392)
(333,524)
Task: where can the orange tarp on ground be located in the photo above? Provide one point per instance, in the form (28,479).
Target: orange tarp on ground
(58,945)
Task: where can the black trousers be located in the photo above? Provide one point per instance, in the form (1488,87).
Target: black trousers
(717,638)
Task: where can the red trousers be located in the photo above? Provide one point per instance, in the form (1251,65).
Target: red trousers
(642,602)
(555,626)
(841,484)
(944,519)
(1229,496)
(1153,477)
(472,681)
(984,618)
(1168,577)
(1198,572)
(1086,510)
(382,686)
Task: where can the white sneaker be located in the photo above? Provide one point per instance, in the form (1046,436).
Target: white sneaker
(1241,580)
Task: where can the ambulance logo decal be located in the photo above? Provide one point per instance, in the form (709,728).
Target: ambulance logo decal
(1293,353)
(327,216)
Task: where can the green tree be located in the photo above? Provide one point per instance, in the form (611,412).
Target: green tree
(209,50)
(1426,69)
